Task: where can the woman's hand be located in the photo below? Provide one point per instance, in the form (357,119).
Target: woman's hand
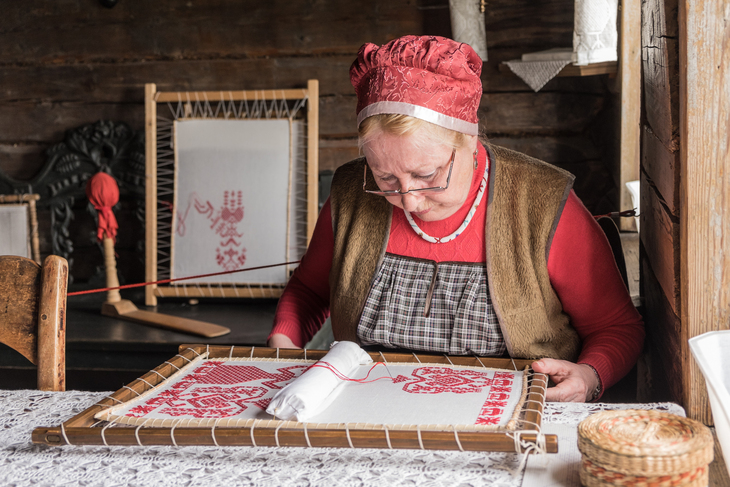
(573,382)
(279,340)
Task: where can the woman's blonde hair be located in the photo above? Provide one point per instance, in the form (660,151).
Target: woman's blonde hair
(405,125)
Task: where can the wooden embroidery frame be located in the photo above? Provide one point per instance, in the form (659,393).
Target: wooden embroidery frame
(160,177)
(84,429)
(28,200)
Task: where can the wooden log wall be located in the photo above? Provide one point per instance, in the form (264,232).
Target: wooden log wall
(661,371)
(70,62)
(704,111)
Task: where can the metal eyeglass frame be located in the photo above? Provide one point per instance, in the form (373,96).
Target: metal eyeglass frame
(393,192)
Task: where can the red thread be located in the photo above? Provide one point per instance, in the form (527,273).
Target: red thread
(166,281)
(341,376)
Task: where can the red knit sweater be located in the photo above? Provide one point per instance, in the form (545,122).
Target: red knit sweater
(581,267)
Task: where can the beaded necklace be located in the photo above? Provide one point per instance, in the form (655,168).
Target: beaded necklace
(464,224)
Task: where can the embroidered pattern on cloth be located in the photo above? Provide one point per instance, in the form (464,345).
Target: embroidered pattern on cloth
(229,254)
(460,321)
(236,392)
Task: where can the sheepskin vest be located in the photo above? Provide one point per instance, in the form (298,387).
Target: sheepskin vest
(526,198)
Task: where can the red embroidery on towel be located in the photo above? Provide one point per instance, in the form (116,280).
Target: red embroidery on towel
(436,380)
(230,254)
(494,407)
(215,390)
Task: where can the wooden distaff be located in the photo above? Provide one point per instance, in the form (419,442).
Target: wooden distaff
(103,193)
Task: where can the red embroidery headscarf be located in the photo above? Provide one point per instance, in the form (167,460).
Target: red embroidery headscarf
(427,77)
(103,193)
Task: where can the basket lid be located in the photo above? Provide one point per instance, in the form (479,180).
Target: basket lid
(645,442)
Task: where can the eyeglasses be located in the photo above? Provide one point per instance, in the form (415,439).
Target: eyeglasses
(394,192)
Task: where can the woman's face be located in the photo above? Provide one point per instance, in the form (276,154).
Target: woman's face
(411,162)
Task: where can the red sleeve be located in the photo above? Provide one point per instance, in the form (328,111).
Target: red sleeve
(585,277)
(304,304)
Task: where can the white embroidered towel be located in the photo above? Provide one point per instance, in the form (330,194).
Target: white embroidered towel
(595,33)
(467,25)
(315,389)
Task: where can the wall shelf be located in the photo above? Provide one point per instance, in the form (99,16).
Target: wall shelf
(610,67)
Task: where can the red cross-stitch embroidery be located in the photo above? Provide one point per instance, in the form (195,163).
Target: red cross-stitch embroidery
(230,254)
(213,402)
(215,390)
(494,407)
(436,380)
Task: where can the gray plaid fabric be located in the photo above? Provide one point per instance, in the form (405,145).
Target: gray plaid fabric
(461,320)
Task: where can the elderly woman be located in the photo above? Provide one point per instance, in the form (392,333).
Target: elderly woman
(436,241)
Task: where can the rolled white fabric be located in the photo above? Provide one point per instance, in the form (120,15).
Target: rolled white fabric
(315,389)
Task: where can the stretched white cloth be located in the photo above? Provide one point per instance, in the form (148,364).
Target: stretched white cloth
(315,389)
(14,237)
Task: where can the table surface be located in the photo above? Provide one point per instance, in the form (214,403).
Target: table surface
(22,463)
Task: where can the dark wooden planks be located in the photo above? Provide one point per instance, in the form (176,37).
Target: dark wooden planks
(660,198)
(534,25)
(660,64)
(661,165)
(503,113)
(79,31)
(660,237)
(124,82)
(662,378)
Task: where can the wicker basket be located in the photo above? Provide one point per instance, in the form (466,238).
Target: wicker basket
(643,448)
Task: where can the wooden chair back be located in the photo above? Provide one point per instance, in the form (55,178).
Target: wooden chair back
(33,314)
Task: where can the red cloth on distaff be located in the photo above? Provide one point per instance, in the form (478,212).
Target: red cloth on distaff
(103,193)
(581,267)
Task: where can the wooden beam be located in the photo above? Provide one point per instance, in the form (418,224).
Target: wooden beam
(704,119)
(218,291)
(150,192)
(662,167)
(250,95)
(52,325)
(629,74)
(312,156)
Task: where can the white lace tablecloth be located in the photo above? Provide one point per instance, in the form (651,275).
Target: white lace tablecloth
(22,463)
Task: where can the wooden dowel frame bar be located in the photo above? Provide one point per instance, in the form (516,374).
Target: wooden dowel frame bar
(216,290)
(247,95)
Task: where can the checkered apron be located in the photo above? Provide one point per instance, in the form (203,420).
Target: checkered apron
(425,305)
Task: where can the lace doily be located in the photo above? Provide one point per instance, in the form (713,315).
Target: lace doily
(22,463)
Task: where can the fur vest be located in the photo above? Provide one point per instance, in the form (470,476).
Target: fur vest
(526,198)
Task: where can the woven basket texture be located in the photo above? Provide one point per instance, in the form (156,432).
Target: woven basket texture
(594,476)
(643,448)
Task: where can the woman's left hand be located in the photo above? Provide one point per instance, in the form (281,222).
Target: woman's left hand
(573,382)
